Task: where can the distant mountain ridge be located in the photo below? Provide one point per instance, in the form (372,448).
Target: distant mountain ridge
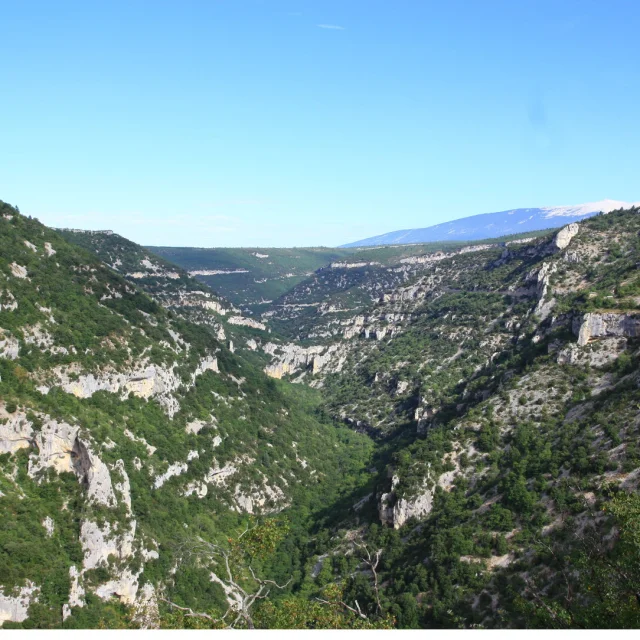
(492,225)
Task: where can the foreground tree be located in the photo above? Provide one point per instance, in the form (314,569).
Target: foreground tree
(601,581)
(235,566)
(232,567)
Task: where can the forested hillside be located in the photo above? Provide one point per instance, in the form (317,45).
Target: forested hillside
(253,277)
(128,432)
(460,448)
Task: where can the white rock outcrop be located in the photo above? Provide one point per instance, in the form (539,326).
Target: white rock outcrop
(16,431)
(55,443)
(18,270)
(125,586)
(200,489)
(60,448)
(95,474)
(289,358)
(219,475)
(77,592)
(9,346)
(255,500)
(147,614)
(601,325)
(543,289)
(564,236)
(150,381)
(247,322)
(123,487)
(175,469)
(49,526)
(15,608)
(395,512)
(100,543)
(7,301)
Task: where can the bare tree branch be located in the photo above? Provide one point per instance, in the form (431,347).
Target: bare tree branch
(239,598)
(373,565)
(191,613)
(345,605)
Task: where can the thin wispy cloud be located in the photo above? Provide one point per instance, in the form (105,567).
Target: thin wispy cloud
(335,27)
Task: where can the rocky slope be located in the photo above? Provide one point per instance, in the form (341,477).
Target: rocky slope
(250,278)
(504,391)
(123,427)
(489,396)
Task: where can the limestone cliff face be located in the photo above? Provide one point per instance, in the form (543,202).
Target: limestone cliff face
(564,236)
(601,325)
(247,322)
(14,607)
(290,358)
(60,448)
(94,473)
(600,353)
(395,512)
(542,279)
(144,381)
(15,431)
(147,615)
(54,443)
(106,547)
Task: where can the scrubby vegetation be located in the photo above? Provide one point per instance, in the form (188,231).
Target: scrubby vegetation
(469,458)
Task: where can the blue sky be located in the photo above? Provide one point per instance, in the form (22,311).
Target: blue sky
(298,123)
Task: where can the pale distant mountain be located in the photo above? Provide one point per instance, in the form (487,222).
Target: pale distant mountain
(493,225)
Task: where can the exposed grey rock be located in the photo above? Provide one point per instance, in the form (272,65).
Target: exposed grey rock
(7,301)
(147,614)
(18,270)
(200,489)
(150,381)
(564,236)
(247,322)
(15,431)
(95,474)
(123,487)
(543,276)
(55,442)
(600,353)
(402,386)
(395,512)
(572,257)
(175,469)
(124,586)
(9,346)
(256,500)
(49,526)
(290,358)
(402,510)
(14,608)
(600,325)
(60,448)
(99,543)
(76,593)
